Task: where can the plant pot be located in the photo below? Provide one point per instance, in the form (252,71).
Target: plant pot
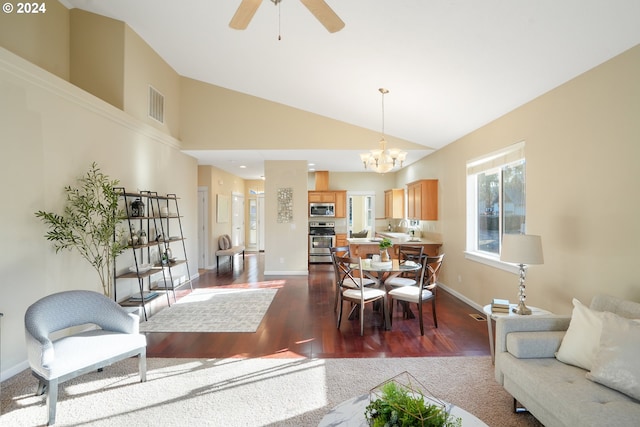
(384,255)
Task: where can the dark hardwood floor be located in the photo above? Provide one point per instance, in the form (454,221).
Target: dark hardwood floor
(301,322)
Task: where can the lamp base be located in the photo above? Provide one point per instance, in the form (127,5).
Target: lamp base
(521,309)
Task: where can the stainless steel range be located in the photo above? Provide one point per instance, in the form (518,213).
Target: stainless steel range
(322,236)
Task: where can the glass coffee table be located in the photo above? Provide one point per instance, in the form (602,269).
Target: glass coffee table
(350,413)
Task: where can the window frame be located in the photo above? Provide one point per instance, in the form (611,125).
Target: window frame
(491,163)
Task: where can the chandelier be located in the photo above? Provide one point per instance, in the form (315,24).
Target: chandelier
(383,159)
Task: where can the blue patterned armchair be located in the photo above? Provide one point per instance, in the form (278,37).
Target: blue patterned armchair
(53,362)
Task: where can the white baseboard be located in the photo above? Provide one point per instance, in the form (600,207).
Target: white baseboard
(460,296)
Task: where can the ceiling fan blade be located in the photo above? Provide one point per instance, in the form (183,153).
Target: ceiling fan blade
(324,14)
(243,15)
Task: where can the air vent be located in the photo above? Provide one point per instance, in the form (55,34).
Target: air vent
(478,317)
(156,105)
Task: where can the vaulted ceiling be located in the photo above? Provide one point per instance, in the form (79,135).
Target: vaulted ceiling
(451,65)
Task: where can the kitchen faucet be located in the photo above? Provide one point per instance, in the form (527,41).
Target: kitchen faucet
(405,222)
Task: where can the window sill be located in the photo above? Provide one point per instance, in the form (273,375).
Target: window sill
(492,262)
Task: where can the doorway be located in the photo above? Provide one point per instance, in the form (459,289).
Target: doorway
(237,219)
(203,226)
(256,220)
(361,212)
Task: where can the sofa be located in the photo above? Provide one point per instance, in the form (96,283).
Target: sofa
(574,370)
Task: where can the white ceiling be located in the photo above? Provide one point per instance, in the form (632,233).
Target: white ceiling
(451,65)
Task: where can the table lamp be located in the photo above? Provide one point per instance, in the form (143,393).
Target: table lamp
(521,249)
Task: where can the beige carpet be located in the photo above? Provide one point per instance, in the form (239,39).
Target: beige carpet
(213,310)
(250,392)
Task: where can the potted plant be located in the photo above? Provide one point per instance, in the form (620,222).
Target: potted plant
(384,246)
(88,223)
(402,401)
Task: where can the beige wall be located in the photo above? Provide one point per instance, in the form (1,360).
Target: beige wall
(97,56)
(213,117)
(286,244)
(582,152)
(144,67)
(42,39)
(52,131)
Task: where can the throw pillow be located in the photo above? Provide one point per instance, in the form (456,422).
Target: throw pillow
(582,339)
(615,364)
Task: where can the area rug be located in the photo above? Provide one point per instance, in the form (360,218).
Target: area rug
(213,310)
(250,392)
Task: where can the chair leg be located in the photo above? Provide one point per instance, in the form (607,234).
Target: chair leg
(420,317)
(362,319)
(142,365)
(42,388)
(433,310)
(340,303)
(217,265)
(390,312)
(52,399)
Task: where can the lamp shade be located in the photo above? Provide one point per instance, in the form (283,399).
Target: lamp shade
(522,249)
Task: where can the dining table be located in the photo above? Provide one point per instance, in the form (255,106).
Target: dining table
(381,271)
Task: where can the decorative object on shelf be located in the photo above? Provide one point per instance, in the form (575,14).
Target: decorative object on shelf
(384,246)
(522,249)
(137,208)
(383,159)
(88,223)
(404,401)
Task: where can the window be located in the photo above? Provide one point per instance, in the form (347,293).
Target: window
(495,201)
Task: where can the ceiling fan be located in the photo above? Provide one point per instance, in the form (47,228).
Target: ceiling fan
(319,8)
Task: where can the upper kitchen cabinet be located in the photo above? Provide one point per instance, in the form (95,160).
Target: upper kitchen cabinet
(394,203)
(322,197)
(341,203)
(422,200)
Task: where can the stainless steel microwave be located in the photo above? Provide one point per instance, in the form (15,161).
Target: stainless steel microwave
(322,209)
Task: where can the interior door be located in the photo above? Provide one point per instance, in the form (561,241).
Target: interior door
(203,229)
(237,219)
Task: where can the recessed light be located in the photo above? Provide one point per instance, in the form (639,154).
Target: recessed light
(243,167)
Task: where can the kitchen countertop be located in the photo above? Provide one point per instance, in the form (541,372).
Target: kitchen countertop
(374,241)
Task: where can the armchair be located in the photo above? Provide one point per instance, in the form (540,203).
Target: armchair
(53,362)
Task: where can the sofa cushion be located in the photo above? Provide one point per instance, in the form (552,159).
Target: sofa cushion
(224,242)
(534,344)
(582,339)
(615,364)
(560,395)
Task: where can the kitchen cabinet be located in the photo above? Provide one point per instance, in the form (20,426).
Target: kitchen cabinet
(341,203)
(394,203)
(341,239)
(338,198)
(422,200)
(322,197)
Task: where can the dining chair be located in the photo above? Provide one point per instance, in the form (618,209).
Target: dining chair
(411,254)
(424,291)
(361,294)
(341,274)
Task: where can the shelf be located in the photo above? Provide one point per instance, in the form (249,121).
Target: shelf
(161,218)
(136,302)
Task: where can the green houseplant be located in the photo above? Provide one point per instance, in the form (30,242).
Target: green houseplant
(403,405)
(384,246)
(88,223)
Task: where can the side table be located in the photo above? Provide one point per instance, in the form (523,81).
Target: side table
(535,311)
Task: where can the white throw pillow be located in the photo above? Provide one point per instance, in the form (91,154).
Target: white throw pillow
(582,339)
(615,364)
